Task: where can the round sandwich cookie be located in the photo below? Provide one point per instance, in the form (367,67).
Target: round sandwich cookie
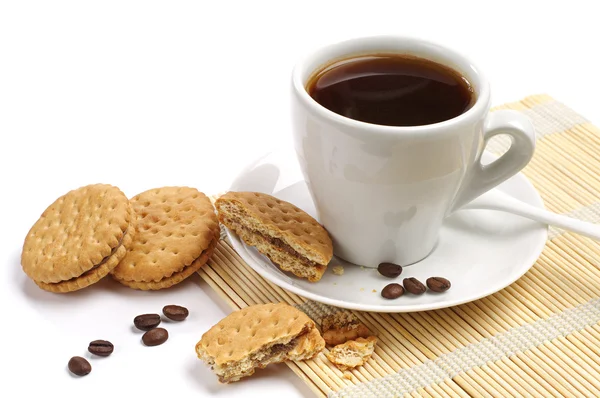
(78,239)
(287,235)
(257,336)
(176,233)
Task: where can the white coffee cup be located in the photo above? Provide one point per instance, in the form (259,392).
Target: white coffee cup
(382,192)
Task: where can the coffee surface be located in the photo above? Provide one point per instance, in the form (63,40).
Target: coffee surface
(391,90)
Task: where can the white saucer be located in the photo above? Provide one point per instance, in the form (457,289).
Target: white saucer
(479,251)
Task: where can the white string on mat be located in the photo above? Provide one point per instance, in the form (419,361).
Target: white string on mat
(492,349)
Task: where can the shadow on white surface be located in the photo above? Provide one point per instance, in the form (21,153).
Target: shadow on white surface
(103,287)
(34,293)
(267,174)
(215,300)
(136,330)
(73,376)
(207,381)
(204,379)
(106,310)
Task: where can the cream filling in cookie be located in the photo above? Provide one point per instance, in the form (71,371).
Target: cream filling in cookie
(274,353)
(281,245)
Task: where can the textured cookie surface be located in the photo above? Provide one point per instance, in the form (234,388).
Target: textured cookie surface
(352,353)
(76,233)
(308,346)
(176,277)
(174,226)
(291,238)
(257,336)
(248,330)
(285,221)
(95,274)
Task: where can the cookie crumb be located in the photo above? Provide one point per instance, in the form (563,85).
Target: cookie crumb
(338,270)
(352,353)
(342,326)
(373,291)
(347,375)
(362,289)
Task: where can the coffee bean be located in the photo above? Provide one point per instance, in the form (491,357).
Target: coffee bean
(438,284)
(147,321)
(389,270)
(155,337)
(102,348)
(414,286)
(175,312)
(79,366)
(392,291)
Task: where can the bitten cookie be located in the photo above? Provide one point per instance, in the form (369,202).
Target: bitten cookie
(341,327)
(79,239)
(257,336)
(352,353)
(176,233)
(288,236)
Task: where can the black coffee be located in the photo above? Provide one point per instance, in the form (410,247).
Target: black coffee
(391,90)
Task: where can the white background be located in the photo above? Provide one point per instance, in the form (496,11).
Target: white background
(142,94)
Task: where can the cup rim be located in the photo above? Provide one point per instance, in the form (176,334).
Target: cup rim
(481,105)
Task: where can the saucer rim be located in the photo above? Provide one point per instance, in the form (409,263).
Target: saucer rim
(239,246)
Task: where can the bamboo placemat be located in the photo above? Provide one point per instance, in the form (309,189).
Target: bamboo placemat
(539,337)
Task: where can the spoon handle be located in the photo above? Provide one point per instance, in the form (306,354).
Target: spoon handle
(517,207)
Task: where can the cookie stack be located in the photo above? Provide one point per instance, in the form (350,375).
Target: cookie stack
(152,242)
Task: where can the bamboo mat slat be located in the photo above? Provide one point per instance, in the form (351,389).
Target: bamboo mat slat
(539,337)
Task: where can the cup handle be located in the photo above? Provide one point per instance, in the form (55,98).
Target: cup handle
(482,178)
